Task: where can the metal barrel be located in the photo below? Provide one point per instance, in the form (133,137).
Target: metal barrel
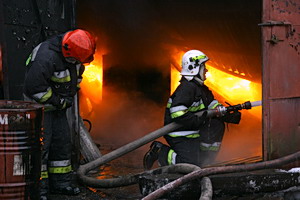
(20,149)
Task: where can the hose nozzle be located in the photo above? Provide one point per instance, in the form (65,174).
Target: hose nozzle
(222,110)
(247,105)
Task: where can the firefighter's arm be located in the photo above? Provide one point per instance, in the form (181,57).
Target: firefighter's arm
(233,117)
(179,109)
(37,84)
(191,120)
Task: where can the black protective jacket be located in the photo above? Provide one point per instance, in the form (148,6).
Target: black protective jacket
(190,97)
(49,77)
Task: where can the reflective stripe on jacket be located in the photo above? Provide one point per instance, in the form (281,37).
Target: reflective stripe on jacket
(189,97)
(49,77)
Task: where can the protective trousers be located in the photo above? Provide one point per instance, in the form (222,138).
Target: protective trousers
(181,150)
(211,140)
(200,151)
(56,152)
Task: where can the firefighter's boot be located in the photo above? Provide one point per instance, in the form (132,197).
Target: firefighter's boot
(44,189)
(152,155)
(69,190)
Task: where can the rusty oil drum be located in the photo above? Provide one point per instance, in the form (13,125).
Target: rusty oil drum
(20,149)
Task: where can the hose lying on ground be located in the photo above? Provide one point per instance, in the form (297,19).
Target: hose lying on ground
(88,148)
(133,179)
(84,169)
(222,170)
(206,189)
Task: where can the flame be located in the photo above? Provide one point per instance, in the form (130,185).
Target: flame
(175,70)
(232,88)
(92,83)
(91,86)
(175,78)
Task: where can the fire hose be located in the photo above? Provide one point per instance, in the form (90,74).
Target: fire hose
(222,170)
(117,182)
(84,169)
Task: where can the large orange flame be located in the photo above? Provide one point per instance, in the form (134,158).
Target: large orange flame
(232,88)
(92,84)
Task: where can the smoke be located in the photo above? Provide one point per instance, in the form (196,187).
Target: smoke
(131,30)
(122,117)
(243,140)
(142,32)
(139,35)
(136,67)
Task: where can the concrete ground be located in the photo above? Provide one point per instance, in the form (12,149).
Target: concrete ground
(131,164)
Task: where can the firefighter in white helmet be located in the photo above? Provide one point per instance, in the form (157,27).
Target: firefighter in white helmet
(198,140)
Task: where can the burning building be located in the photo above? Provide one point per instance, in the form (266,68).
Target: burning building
(140,45)
(253,48)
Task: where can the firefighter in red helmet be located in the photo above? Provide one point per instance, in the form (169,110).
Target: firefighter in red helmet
(54,72)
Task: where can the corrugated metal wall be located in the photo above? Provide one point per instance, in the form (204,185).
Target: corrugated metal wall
(281,70)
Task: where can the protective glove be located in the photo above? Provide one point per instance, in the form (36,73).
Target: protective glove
(202,118)
(234,117)
(69,101)
(65,103)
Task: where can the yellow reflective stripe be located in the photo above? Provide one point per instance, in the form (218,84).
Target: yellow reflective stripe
(198,57)
(60,170)
(196,135)
(196,108)
(212,148)
(78,85)
(61,80)
(46,96)
(28,59)
(178,114)
(44,174)
(170,156)
(214,106)
(169,105)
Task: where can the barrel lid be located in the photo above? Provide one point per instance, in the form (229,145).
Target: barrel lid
(15,105)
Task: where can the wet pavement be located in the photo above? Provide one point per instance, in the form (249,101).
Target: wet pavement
(130,164)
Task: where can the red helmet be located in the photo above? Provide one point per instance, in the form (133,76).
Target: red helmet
(79,44)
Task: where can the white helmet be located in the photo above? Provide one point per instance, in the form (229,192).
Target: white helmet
(191,62)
